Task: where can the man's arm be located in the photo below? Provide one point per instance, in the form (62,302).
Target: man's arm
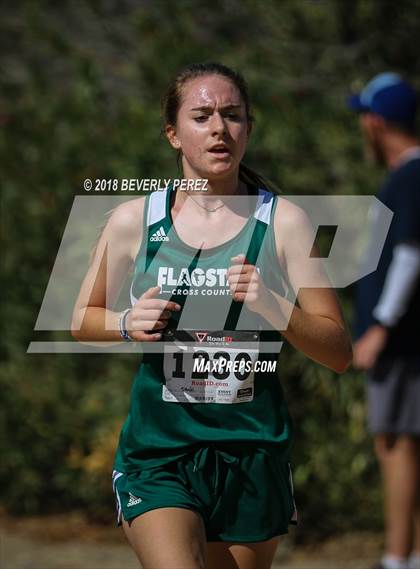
(400,283)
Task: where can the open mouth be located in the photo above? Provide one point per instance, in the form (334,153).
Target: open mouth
(221,152)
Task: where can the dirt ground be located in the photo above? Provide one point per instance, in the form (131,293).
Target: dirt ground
(59,542)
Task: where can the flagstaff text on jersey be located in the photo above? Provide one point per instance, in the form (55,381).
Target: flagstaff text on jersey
(169,276)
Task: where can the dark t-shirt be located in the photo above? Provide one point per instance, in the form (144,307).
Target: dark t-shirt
(401,193)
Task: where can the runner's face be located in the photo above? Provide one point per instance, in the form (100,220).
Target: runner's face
(212,128)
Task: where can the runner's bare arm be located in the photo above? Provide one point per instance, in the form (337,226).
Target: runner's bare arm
(93,320)
(316,326)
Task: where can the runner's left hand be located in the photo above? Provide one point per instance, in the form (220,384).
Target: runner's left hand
(246,284)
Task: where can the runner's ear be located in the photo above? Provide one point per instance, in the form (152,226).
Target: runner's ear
(170,132)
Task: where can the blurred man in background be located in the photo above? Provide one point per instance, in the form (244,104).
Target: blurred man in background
(388,313)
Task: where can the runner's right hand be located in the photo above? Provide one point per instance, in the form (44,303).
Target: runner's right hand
(149,316)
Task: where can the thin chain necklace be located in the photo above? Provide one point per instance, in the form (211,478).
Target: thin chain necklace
(209,209)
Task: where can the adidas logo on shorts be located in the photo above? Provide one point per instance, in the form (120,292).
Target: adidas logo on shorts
(159,235)
(133,501)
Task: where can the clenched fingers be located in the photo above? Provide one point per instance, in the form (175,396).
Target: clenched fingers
(141,336)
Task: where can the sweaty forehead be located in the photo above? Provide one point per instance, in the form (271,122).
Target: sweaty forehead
(211,90)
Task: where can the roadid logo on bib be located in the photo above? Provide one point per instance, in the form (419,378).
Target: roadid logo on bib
(207,337)
(209,367)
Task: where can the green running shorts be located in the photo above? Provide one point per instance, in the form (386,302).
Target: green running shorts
(243,493)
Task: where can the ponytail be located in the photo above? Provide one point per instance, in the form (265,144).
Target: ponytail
(249,176)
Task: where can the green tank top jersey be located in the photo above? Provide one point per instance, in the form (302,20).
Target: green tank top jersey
(175,403)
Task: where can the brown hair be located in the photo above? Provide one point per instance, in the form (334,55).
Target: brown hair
(171,102)
(170,106)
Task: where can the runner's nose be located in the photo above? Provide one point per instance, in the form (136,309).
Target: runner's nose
(218,124)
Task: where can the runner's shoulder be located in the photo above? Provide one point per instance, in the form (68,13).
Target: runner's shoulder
(289,215)
(126,220)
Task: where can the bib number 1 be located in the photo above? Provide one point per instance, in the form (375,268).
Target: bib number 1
(216,369)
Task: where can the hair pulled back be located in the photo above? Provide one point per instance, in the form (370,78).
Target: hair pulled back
(172,99)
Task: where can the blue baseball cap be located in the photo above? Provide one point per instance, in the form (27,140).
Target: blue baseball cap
(389,96)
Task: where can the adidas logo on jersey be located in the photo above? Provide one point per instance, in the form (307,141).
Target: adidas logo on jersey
(159,235)
(133,501)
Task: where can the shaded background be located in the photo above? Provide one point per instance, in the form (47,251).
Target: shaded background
(80,87)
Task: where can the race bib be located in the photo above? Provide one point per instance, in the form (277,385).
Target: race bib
(209,367)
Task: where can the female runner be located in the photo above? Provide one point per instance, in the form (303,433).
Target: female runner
(201,474)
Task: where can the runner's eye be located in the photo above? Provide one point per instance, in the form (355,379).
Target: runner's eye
(201,118)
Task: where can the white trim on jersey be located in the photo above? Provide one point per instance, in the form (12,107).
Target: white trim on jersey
(157,207)
(264,205)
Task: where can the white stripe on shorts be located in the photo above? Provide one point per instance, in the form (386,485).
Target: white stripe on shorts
(115,476)
(294,517)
